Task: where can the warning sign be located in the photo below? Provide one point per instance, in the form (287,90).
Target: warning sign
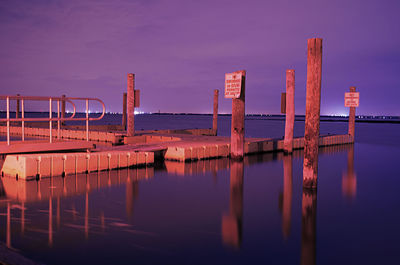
(351,99)
(233,85)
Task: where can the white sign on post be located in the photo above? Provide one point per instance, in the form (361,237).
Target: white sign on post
(351,99)
(233,85)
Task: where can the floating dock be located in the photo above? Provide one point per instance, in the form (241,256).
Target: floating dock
(139,150)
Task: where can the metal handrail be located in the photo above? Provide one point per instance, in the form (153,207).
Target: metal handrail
(50,119)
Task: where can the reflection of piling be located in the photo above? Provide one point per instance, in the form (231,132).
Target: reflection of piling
(232,223)
(349,179)
(313,102)
(308,227)
(215,112)
(63,109)
(124,96)
(132,188)
(287,195)
(22,218)
(237,127)
(18,108)
(87,215)
(289,123)
(50,222)
(131,105)
(352,116)
(8,236)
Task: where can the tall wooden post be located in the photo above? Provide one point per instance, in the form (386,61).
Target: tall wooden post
(313,102)
(18,108)
(131,105)
(124,96)
(237,127)
(289,123)
(63,109)
(352,116)
(215,112)
(308,227)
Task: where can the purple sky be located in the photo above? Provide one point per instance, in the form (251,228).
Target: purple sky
(180,51)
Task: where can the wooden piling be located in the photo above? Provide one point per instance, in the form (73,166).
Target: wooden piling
(215,112)
(18,108)
(237,126)
(131,105)
(289,123)
(313,102)
(124,97)
(352,116)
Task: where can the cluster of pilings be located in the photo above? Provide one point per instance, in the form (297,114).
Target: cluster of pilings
(312,120)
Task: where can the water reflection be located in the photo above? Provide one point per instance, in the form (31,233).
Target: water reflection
(70,211)
(349,178)
(308,226)
(232,222)
(287,195)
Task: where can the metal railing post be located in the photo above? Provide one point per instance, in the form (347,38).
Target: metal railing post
(58,120)
(50,118)
(8,121)
(23,117)
(87,120)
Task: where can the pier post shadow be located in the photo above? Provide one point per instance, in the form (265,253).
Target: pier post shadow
(232,222)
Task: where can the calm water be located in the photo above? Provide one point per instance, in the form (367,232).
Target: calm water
(217,211)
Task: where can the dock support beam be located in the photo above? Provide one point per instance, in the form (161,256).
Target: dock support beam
(237,127)
(124,96)
(313,103)
(289,123)
(352,116)
(215,112)
(131,105)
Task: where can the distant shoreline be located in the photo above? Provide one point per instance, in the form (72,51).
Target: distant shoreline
(277,117)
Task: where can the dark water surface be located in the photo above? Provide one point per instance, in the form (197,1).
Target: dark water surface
(218,211)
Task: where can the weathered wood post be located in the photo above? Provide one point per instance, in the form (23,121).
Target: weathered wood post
(308,227)
(63,109)
(18,108)
(124,96)
(287,195)
(352,116)
(131,105)
(215,112)
(289,123)
(232,222)
(238,111)
(313,102)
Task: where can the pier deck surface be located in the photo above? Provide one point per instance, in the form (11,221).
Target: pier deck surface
(40,146)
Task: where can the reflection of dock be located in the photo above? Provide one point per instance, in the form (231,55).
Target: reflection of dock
(28,191)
